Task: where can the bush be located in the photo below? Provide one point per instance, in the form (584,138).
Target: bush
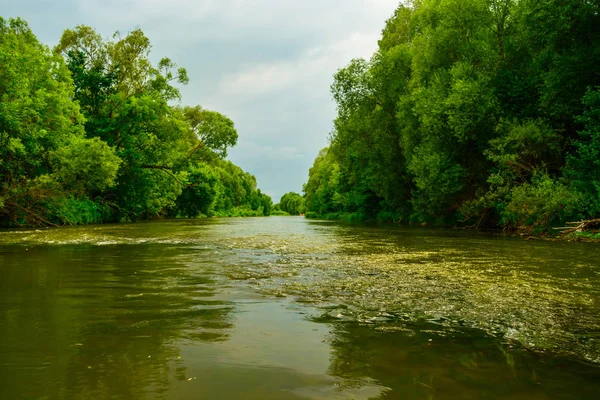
(77,211)
(279,213)
(241,211)
(541,203)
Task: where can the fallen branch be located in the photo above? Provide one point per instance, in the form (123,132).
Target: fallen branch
(578,226)
(36,217)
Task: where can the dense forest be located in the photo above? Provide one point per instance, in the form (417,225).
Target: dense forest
(92,131)
(470,112)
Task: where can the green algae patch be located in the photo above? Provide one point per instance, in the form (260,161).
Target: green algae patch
(538,295)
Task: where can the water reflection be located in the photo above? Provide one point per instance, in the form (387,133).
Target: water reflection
(542,295)
(284,308)
(102,321)
(415,362)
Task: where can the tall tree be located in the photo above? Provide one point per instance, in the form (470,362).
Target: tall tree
(43,152)
(467,112)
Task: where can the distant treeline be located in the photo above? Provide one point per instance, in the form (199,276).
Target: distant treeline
(291,203)
(91,131)
(472,112)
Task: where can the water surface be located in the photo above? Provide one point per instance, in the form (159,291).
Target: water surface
(286,308)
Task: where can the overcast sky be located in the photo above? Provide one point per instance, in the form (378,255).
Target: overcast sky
(266,64)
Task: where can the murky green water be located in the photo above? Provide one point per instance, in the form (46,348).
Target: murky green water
(285,308)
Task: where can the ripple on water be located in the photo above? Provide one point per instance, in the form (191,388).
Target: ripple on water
(543,296)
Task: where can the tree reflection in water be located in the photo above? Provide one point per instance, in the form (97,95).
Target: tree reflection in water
(102,321)
(429,361)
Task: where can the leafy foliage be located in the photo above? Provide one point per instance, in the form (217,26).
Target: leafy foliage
(92,132)
(584,165)
(292,203)
(467,113)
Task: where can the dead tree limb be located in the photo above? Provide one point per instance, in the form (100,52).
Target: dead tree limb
(578,226)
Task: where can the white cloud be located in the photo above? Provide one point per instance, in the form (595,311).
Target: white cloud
(243,12)
(318,63)
(272,153)
(150,10)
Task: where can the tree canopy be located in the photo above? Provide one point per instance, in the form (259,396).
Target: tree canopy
(292,203)
(93,131)
(471,112)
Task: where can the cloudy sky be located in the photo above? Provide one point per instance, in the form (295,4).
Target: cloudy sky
(266,64)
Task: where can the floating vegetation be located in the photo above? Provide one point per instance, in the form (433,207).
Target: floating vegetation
(542,297)
(539,295)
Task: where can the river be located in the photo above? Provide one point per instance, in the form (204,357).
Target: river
(288,308)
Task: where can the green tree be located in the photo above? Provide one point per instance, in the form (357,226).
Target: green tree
(320,192)
(466,112)
(86,165)
(43,152)
(92,132)
(292,203)
(199,196)
(126,102)
(583,166)
(215,131)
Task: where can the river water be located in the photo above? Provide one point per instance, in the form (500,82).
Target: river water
(288,308)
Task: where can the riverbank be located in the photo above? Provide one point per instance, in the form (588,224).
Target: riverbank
(528,233)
